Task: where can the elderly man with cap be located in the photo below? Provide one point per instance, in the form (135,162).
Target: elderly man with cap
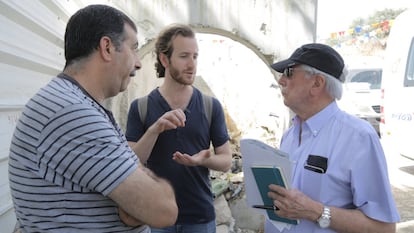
(340,181)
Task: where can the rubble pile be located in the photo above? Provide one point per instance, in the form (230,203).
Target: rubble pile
(232,213)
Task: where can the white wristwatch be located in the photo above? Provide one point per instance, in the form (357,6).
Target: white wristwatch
(325,219)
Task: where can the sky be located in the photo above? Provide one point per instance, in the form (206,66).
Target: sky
(337,15)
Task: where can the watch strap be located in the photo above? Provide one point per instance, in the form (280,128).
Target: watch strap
(324,220)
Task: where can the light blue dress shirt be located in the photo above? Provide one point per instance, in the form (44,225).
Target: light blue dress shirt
(356,175)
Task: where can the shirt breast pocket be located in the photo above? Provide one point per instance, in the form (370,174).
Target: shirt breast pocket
(314,174)
(317,164)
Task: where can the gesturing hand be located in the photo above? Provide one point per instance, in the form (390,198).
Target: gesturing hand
(170,120)
(195,160)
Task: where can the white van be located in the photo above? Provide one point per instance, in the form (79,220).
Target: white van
(397,120)
(362,94)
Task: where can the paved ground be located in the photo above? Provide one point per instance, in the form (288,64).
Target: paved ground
(401,172)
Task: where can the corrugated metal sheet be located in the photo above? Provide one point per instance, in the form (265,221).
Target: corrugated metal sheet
(30,53)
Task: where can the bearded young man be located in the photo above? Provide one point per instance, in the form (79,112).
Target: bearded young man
(174,138)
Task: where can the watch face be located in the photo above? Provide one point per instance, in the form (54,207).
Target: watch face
(324,223)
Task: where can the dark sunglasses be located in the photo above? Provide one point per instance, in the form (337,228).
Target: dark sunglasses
(288,72)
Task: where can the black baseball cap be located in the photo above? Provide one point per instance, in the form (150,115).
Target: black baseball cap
(319,56)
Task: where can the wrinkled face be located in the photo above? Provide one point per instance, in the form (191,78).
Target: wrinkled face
(295,84)
(182,66)
(126,61)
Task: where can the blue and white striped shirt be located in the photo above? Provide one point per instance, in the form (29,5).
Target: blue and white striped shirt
(67,154)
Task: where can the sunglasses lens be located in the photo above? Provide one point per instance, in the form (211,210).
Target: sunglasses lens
(288,72)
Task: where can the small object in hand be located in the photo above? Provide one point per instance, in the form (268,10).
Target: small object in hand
(266,207)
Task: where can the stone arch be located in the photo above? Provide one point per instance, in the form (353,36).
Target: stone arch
(266,58)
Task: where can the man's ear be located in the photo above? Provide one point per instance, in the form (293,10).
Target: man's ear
(105,48)
(318,85)
(164,60)
(319,81)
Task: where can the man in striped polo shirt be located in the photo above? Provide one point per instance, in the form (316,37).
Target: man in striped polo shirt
(70,167)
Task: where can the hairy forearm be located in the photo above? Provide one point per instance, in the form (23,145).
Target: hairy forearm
(147,198)
(128,219)
(219,162)
(161,208)
(294,204)
(354,221)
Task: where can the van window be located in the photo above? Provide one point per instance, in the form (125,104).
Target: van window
(373,77)
(409,77)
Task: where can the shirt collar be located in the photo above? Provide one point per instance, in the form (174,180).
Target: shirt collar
(317,121)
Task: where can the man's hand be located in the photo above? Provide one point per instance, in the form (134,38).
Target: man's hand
(128,219)
(170,120)
(195,160)
(294,204)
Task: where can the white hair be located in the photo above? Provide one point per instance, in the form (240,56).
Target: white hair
(333,85)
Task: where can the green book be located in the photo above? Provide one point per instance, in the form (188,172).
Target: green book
(264,176)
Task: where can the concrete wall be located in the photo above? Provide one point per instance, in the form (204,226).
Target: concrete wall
(31,47)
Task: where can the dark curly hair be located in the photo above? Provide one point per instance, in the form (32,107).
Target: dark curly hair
(163,44)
